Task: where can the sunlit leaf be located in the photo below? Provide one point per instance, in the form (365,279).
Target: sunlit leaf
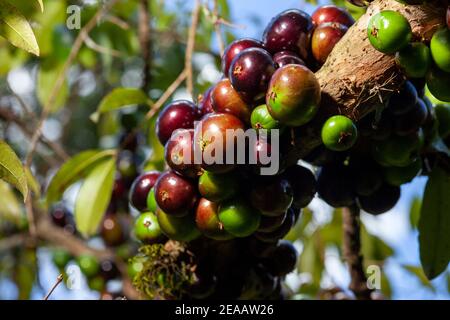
(434,224)
(16,29)
(25,273)
(94,196)
(373,248)
(414,212)
(418,272)
(10,208)
(41,5)
(47,78)
(11,169)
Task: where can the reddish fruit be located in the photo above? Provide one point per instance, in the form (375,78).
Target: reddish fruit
(174,194)
(271,195)
(207,220)
(210,137)
(112,230)
(332,13)
(204,102)
(225,99)
(283,58)
(179,153)
(140,189)
(179,114)
(325,38)
(250,73)
(289,30)
(235,48)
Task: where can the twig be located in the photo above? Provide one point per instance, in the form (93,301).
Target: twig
(144,33)
(59,279)
(91,44)
(190,49)
(352,248)
(217,27)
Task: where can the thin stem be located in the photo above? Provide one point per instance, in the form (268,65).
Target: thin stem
(217,27)
(144,33)
(59,279)
(190,49)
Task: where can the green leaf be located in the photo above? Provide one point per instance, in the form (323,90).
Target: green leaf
(434,224)
(46,81)
(120,98)
(373,248)
(41,5)
(11,169)
(74,170)
(16,29)
(10,208)
(418,272)
(94,196)
(414,214)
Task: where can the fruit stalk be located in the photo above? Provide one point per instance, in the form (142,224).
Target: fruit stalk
(351,249)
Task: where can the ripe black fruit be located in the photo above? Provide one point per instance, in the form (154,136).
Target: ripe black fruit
(335,187)
(382,200)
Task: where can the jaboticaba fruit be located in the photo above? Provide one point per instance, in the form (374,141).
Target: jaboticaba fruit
(261,119)
(324,39)
(151,201)
(235,48)
(179,153)
(293,96)
(322,156)
(109,270)
(204,102)
(335,187)
(282,259)
(366,176)
(177,228)
(398,151)
(239,218)
(443,117)
(112,230)
(376,129)
(382,200)
(283,58)
(179,114)
(174,194)
(272,196)
(290,30)
(207,220)
(261,152)
(88,264)
(279,232)
(147,228)
(211,139)
(440,49)
(389,31)
(404,100)
(61,257)
(419,84)
(140,189)
(225,99)
(250,73)
(218,187)
(303,183)
(339,133)
(412,120)
(437,82)
(397,176)
(332,13)
(270,224)
(414,59)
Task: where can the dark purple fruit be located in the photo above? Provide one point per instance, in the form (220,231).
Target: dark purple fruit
(112,230)
(179,114)
(270,224)
(335,187)
(283,58)
(207,220)
(324,39)
(367,176)
(272,196)
(332,13)
(321,156)
(63,218)
(250,73)
(376,129)
(225,99)
(174,194)
(179,153)
(283,259)
(280,232)
(235,48)
(303,183)
(109,270)
(412,120)
(204,102)
(384,199)
(210,137)
(404,100)
(289,30)
(140,189)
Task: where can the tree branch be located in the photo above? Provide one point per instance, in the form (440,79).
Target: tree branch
(190,48)
(351,249)
(144,33)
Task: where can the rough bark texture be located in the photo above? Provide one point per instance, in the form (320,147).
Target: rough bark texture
(356,78)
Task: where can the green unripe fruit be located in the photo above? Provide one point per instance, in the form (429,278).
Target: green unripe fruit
(440,49)
(389,31)
(61,258)
(177,228)
(398,151)
(207,220)
(438,84)
(339,133)
(239,218)
(134,268)
(147,228)
(97,283)
(414,59)
(151,201)
(217,187)
(396,176)
(261,119)
(443,116)
(88,264)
